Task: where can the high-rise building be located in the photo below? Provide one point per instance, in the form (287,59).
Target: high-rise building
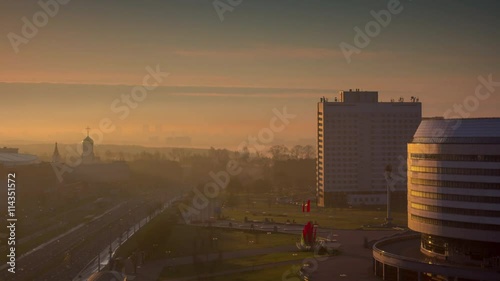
(453,205)
(358,139)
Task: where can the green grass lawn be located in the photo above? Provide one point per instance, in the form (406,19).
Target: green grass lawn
(268,274)
(326,217)
(163,238)
(181,241)
(232,264)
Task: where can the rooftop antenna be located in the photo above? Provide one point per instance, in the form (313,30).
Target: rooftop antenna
(88,130)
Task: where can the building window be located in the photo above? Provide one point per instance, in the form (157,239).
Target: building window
(456,224)
(456,171)
(455,184)
(455,157)
(454,197)
(458,211)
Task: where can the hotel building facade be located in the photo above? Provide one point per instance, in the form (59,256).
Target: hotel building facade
(358,137)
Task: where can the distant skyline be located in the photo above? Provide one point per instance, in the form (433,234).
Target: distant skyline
(226,77)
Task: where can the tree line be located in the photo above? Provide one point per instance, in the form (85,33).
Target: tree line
(280,170)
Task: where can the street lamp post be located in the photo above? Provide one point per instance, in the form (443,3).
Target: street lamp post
(110,242)
(98,262)
(388,178)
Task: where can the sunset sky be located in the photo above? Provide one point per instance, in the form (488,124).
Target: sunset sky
(227,76)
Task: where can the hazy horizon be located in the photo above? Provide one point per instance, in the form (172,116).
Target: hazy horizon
(226,77)
(242,140)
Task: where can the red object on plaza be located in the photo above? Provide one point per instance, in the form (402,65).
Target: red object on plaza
(308,234)
(308,206)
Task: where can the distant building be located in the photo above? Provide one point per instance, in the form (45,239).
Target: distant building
(56,157)
(91,169)
(9,150)
(178,141)
(88,149)
(117,171)
(453,204)
(12,157)
(357,138)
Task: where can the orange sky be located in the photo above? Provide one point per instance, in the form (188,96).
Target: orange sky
(272,47)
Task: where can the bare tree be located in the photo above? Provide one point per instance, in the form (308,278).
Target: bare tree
(309,152)
(244,154)
(279,152)
(180,154)
(109,155)
(296,152)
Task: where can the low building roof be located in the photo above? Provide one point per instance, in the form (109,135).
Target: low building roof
(14,159)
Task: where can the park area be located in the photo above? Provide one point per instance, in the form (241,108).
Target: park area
(259,209)
(177,251)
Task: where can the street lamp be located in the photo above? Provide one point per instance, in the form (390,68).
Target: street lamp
(389,183)
(110,246)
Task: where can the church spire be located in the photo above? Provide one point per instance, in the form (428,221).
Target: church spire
(56,157)
(88,148)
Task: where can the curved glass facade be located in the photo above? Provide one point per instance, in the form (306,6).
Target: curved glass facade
(453,204)
(454,190)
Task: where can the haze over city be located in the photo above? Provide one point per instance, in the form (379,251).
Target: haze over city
(299,140)
(226,77)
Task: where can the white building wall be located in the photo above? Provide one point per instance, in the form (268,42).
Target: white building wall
(356,140)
